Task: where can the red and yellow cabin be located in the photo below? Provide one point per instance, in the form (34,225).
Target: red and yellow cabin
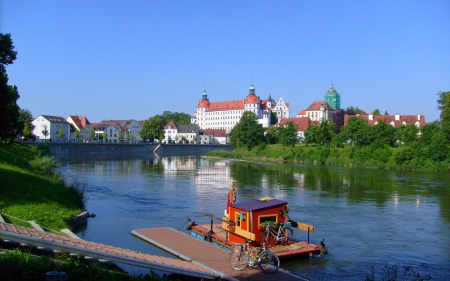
(248,216)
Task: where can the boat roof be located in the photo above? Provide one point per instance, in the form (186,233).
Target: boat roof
(254,205)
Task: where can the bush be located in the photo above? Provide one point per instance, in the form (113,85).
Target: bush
(44,165)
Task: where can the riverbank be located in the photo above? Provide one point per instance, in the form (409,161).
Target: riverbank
(32,191)
(347,156)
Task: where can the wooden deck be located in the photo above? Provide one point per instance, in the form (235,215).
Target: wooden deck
(294,249)
(207,254)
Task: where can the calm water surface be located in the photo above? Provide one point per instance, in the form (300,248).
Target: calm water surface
(367,217)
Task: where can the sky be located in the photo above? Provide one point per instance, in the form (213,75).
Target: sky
(120,59)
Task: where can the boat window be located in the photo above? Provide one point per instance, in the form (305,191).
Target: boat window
(270,218)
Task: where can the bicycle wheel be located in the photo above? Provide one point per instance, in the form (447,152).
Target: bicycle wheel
(239,262)
(269,263)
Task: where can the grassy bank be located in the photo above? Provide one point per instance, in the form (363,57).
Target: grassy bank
(31,191)
(347,156)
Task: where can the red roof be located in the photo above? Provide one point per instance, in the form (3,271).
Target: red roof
(317,104)
(398,120)
(226,105)
(173,124)
(214,132)
(302,123)
(251,98)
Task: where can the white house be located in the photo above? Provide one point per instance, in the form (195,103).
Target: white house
(82,125)
(54,128)
(107,130)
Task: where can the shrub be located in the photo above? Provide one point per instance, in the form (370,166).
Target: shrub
(44,165)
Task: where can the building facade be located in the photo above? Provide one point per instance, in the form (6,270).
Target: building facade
(225,115)
(318,111)
(48,128)
(82,125)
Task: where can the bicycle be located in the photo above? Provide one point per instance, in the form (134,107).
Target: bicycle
(244,255)
(283,235)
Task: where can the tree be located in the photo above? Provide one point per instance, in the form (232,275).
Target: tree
(27,131)
(444,105)
(356,132)
(153,128)
(45,132)
(326,133)
(9,110)
(76,134)
(61,132)
(407,134)
(312,134)
(179,118)
(376,112)
(273,135)
(91,134)
(383,133)
(429,131)
(105,136)
(288,136)
(120,136)
(131,137)
(247,133)
(25,117)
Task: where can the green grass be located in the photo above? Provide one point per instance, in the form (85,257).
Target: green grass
(22,265)
(29,196)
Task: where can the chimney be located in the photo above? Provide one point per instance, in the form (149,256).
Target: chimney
(418,116)
(370,117)
(397,117)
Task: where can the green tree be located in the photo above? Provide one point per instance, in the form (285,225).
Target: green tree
(27,131)
(288,136)
(45,132)
(76,134)
(120,136)
(439,147)
(326,132)
(382,134)
(312,134)
(407,134)
(91,134)
(444,105)
(376,112)
(177,117)
(9,110)
(25,117)
(247,133)
(429,131)
(105,136)
(131,137)
(61,133)
(356,132)
(153,128)
(273,134)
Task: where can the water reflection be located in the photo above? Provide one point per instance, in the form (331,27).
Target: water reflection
(368,217)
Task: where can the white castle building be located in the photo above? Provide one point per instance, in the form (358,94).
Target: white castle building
(225,114)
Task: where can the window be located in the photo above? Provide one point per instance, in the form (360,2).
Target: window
(262,219)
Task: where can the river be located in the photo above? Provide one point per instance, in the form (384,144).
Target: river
(368,217)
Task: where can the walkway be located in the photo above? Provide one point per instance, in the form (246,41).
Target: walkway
(80,247)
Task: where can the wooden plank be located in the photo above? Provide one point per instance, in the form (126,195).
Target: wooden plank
(305,227)
(243,233)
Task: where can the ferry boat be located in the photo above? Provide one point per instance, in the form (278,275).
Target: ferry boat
(249,220)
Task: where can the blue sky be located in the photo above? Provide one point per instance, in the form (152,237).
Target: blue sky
(135,59)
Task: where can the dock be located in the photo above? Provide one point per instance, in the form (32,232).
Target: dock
(213,257)
(296,248)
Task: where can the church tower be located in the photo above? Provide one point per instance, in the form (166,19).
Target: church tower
(333,98)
